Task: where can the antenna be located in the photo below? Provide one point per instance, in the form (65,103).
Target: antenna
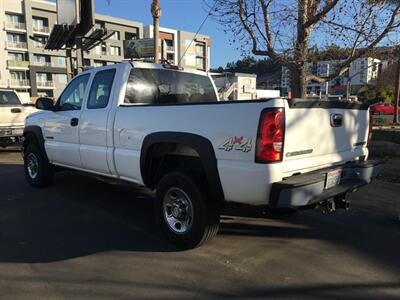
(198,30)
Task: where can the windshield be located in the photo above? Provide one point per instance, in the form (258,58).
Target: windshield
(155,86)
(8,98)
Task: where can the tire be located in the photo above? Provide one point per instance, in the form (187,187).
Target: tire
(186,216)
(38,171)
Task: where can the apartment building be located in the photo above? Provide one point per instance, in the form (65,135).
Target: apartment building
(362,71)
(183,48)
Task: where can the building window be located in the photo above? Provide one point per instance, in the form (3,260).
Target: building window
(115,36)
(98,63)
(15,21)
(200,55)
(15,75)
(16,56)
(100,49)
(62,79)
(16,41)
(14,37)
(130,35)
(61,61)
(40,41)
(41,58)
(43,77)
(86,62)
(116,51)
(40,24)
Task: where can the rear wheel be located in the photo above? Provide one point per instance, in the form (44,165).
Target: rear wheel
(186,216)
(38,171)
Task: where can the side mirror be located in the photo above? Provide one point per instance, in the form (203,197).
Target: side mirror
(44,104)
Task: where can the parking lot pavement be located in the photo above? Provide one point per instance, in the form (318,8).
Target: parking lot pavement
(87,239)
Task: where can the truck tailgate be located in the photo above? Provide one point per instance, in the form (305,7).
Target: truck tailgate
(323,133)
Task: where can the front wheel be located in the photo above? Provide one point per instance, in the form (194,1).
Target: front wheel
(186,216)
(38,171)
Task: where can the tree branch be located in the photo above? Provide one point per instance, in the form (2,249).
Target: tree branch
(312,20)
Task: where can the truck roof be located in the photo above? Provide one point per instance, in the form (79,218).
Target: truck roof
(149,65)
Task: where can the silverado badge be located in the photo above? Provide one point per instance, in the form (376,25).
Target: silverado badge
(238,143)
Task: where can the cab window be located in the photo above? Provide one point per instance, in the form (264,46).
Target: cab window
(101,89)
(73,95)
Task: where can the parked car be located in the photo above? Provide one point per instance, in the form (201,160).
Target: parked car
(381,108)
(12,117)
(164,128)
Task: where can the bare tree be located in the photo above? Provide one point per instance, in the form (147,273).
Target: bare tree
(284,30)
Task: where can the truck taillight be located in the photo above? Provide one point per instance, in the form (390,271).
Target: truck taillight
(369,129)
(271,136)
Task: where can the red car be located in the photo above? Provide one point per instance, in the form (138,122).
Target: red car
(383,108)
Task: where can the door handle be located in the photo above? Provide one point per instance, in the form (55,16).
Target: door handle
(74,122)
(15,110)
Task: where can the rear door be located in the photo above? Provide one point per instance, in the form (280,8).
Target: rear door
(323,133)
(93,130)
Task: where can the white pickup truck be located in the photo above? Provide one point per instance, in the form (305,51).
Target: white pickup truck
(164,128)
(12,117)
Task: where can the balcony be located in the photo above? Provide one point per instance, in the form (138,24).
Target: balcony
(45,84)
(17,64)
(19,83)
(19,27)
(41,30)
(17,45)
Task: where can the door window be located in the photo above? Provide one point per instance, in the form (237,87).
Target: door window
(101,89)
(73,95)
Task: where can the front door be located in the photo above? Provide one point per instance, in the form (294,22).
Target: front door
(61,128)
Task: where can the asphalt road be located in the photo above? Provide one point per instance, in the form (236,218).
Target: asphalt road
(87,239)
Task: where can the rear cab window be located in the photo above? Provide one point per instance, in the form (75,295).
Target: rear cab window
(157,86)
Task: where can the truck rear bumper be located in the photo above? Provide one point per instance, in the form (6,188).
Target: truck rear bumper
(310,188)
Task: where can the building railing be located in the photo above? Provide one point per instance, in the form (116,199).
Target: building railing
(41,29)
(10,25)
(48,84)
(17,63)
(16,45)
(42,63)
(19,82)
(39,45)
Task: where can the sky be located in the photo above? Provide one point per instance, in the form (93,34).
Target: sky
(177,14)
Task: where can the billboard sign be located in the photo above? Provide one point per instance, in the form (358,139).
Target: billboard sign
(142,48)
(68,12)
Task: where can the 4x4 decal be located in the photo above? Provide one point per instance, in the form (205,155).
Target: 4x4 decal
(238,143)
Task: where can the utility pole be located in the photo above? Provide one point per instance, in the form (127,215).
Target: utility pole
(79,55)
(156,12)
(70,67)
(397,88)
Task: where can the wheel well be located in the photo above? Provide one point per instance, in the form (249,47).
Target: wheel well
(30,138)
(166,157)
